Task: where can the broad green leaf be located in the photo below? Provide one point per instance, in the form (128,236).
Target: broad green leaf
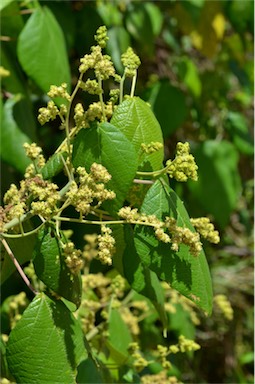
(119,338)
(50,267)
(22,248)
(184,272)
(168,104)
(218,186)
(4,4)
(42,51)
(46,345)
(12,138)
(140,277)
(88,373)
(135,119)
(54,165)
(106,145)
(118,43)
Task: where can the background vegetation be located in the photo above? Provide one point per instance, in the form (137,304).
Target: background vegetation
(197,74)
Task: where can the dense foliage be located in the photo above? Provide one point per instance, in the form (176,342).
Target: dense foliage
(118,285)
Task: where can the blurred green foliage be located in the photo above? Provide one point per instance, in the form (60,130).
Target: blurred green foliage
(197,74)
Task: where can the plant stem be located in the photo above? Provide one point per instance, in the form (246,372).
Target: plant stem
(100,83)
(17,265)
(133,85)
(24,234)
(121,88)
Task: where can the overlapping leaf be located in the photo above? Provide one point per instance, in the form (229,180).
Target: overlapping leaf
(135,119)
(187,274)
(46,345)
(106,145)
(51,268)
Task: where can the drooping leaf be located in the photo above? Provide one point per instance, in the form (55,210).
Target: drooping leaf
(22,248)
(184,272)
(42,51)
(168,104)
(12,138)
(50,267)
(218,185)
(106,145)
(135,119)
(140,277)
(119,338)
(46,345)
(54,165)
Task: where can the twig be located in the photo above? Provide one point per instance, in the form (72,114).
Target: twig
(17,265)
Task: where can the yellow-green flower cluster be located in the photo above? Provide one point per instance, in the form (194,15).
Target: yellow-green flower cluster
(139,361)
(160,378)
(72,257)
(206,229)
(90,248)
(47,195)
(32,150)
(152,147)
(14,203)
(225,306)
(187,345)
(101,64)
(91,86)
(118,285)
(79,116)
(48,113)
(89,189)
(183,167)
(183,235)
(101,36)
(95,112)
(106,245)
(60,91)
(130,62)
(177,235)
(163,352)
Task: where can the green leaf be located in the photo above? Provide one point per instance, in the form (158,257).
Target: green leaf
(88,373)
(118,43)
(46,345)
(218,186)
(12,138)
(42,51)
(135,119)
(4,4)
(22,248)
(238,129)
(168,104)
(187,274)
(50,267)
(106,145)
(54,165)
(141,278)
(189,75)
(143,22)
(119,338)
